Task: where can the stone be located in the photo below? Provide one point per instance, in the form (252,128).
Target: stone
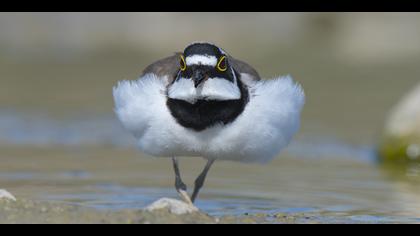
(6,195)
(174,206)
(401,136)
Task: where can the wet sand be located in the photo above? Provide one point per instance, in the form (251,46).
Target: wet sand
(113,185)
(33,212)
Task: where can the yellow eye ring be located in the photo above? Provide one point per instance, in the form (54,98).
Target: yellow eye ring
(182,63)
(221,67)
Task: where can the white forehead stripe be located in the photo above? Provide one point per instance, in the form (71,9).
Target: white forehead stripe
(201,60)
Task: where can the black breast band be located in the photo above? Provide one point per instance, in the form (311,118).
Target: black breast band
(206,113)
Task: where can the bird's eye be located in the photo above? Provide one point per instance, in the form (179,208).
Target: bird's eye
(182,63)
(222,65)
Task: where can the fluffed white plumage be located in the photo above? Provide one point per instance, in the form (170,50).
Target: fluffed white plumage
(258,134)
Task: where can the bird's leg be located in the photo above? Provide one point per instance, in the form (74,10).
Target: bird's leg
(180,187)
(200,179)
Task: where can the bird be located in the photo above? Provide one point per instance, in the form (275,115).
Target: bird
(202,102)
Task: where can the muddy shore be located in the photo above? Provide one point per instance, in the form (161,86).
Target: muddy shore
(39,212)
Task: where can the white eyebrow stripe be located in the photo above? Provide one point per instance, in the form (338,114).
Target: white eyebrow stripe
(201,60)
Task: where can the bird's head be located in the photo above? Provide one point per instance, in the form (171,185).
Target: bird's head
(204,73)
(203,61)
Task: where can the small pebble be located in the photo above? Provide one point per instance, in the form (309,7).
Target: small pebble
(174,206)
(6,195)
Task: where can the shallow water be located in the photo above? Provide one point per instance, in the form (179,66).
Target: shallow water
(325,178)
(61,143)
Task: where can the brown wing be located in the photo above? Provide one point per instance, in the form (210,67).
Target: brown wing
(167,66)
(243,67)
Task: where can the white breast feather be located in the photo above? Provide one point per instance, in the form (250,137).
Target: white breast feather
(264,128)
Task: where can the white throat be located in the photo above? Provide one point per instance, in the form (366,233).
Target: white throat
(212,89)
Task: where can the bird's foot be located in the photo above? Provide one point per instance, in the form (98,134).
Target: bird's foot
(185,197)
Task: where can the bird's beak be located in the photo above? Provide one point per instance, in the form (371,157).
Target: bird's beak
(198,77)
